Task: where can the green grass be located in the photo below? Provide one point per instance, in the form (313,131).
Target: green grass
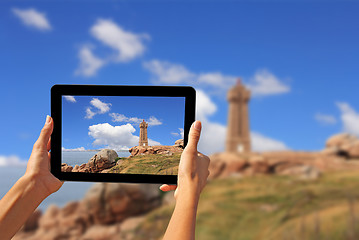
(148,164)
(272,207)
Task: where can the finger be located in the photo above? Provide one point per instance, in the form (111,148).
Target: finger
(194,134)
(166,187)
(45,134)
(49,144)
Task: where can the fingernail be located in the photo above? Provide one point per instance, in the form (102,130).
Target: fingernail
(47,119)
(197,125)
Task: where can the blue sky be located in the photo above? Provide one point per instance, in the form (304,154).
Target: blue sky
(299,59)
(113,122)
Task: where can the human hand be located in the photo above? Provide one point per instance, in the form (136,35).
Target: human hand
(193,167)
(38,166)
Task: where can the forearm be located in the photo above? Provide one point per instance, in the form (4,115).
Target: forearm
(18,204)
(183,220)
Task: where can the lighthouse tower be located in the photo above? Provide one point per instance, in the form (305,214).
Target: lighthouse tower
(238,136)
(143,134)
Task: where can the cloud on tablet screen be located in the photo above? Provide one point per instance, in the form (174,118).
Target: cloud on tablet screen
(116,137)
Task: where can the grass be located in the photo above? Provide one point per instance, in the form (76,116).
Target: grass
(272,207)
(148,164)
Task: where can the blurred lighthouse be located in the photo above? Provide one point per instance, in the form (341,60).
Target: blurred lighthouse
(238,134)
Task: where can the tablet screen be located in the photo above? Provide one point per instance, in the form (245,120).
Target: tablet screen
(122,134)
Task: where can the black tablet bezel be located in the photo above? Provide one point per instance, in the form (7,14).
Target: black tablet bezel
(57,91)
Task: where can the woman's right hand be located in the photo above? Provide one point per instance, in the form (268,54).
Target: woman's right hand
(193,167)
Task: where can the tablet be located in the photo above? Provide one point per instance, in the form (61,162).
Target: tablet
(106,133)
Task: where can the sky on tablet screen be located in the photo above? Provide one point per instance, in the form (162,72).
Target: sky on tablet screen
(113,122)
(299,58)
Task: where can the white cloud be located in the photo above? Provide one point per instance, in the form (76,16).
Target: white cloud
(169,73)
(264,83)
(325,119)
(204,105)
(12,160)
(128,45)
(180,133)
(349,117)
(117,117)
(80,149)
(115,137)
(89,63)
(217,79)
(101,106)
(164,72)
(262,143)
(152,121)
(89,113)
(70,98)
(33,18)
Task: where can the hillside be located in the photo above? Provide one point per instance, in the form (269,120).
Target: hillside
(148,164)
(271,207)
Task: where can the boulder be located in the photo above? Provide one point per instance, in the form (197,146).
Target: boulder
(32,223)
(179,143)
(66,168)
(49,220)
(304,172)
(166,150)
(226,164)
(353,150)
(104,159)
(344,144)
(339,140)
(259,167)
(100,232)
(108,203)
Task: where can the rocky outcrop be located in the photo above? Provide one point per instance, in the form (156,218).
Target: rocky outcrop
(179,143)
(32,223)
(66,168)
(104,159)
(109,203)
(344,144)
(145,150)
(304,165)
(99,215)
(304,172)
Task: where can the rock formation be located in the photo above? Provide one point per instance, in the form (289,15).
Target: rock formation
(339,154)
(179,143)
(104,159)
(169,150)
(343,144)
(105,210)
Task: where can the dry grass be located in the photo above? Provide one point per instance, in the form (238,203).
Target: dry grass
(272,207)
(148,164)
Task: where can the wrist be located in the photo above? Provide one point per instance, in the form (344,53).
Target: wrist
(188,195)
(35,184)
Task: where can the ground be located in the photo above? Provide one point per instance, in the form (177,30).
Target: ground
(271,207)
(148,164)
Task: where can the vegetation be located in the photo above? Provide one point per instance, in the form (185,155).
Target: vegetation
(271,207)
(148,164)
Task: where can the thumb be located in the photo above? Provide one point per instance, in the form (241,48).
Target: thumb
(45,134)
(194,134)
